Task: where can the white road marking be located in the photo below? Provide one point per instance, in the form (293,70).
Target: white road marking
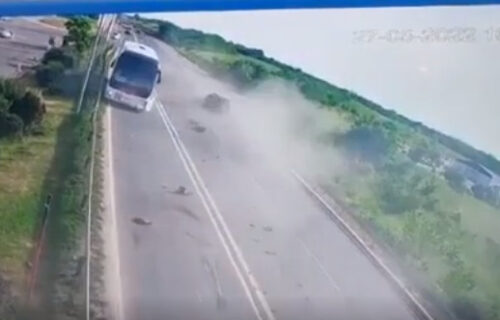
(320,266)
(114,227)
(219,223)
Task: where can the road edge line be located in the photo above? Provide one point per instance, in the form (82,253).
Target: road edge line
(111,213)
(416,307)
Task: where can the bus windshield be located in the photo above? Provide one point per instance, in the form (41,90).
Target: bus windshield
(134,74)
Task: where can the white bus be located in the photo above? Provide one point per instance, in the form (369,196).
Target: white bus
(133,75)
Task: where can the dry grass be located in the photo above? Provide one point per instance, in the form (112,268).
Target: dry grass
(55,22)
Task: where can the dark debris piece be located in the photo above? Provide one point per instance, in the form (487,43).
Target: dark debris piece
(141,221)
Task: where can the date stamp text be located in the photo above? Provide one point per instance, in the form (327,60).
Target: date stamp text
(428,35)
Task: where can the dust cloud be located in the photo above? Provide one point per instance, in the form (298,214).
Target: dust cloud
(291,131)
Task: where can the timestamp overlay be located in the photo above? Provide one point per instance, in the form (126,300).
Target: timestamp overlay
(428,35)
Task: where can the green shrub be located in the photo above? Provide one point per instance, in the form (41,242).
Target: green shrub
(30,108)
(366,143)
(64,56)
(10,90)
(48,74)
(10,125)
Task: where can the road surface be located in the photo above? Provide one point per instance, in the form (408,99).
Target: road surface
(245,241)
(26,47)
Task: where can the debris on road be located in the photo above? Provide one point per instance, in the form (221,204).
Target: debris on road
(199,129)
(268,229)
(181,191)
(270,253)
(195,126)
(216,103)
(142,221)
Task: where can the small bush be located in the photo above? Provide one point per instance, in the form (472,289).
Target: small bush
(10,90)
(366,143)
(10,125)
(30,108)
(47,74)
(64,56)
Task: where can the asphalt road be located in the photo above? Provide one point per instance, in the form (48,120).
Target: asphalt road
(26,47)
(246,241)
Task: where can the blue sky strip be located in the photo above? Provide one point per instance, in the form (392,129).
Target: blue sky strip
(47,7)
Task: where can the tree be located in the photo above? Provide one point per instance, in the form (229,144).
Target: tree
(30,108)
(79,33)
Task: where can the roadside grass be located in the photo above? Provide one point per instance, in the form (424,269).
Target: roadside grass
(24,166)
(228,58)
(219,61)
(477,216)
(480,249)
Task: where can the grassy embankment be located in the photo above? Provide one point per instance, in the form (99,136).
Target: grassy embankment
(393,176)
(51,159)
(24,168)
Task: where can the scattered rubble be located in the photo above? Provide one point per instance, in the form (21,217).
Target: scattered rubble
(181,191)
(199,129)
(268,229)
(216,103)
(196,126)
